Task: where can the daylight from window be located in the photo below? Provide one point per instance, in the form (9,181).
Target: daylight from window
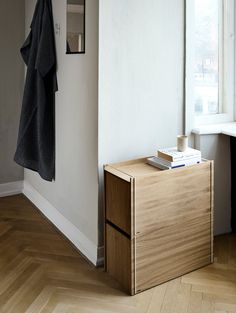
(206,67)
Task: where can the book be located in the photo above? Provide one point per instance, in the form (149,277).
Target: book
(184,162)
(152,161)
(164,165)
(172,154)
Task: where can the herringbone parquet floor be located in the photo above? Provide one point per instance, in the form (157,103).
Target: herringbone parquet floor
(41,272)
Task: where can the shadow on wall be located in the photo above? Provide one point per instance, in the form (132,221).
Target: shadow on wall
(11,85)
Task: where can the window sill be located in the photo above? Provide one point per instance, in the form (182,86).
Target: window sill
(225,129)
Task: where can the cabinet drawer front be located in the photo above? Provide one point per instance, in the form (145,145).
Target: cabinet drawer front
(172,251)
(173,195)
(118,202)
(119,258)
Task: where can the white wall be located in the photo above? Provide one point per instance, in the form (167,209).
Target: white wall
(75,192)
(140,77)
(11,86)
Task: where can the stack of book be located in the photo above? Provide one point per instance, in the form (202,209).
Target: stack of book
(172,158)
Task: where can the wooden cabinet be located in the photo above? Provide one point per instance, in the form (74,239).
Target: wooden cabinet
(158,224)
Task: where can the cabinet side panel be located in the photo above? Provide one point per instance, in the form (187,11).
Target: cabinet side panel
(133,238)
(118,255)
(173,224)
(212,210)
(118,202)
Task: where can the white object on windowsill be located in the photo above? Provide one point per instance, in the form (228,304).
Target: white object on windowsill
(224,128)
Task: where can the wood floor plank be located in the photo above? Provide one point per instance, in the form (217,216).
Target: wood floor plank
(170,297)
(183,298)
(41,300)
(41,272)
(157,298)
(195,302)
(208,306)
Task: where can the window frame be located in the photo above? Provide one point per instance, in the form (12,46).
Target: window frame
(227,78)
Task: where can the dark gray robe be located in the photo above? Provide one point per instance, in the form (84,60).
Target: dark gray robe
(36,138)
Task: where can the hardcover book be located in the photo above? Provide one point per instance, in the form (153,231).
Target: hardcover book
(172,154)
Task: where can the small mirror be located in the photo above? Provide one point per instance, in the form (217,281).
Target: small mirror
(75,26)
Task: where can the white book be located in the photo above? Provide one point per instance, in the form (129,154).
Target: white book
(172,154)
(185,161)
(157,162)
(152,161)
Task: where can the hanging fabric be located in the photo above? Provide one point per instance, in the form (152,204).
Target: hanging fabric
(36,138)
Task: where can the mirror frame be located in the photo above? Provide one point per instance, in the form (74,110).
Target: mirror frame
(77,52)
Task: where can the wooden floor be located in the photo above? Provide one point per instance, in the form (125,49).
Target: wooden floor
(41,272)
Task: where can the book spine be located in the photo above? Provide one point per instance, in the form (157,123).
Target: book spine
(187,164)
(175,159)
(161,165)
(179,162)
(164,156)
(176,166)
(158,165)
(186,157)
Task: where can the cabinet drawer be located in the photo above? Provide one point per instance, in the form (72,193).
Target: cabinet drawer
(119,258)
(118,202)
(166,253)
(180,194)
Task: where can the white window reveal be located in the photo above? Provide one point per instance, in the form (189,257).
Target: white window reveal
(208,56)
(209,62)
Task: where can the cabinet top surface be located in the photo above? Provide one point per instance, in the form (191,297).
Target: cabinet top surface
(137,168)
(134,168)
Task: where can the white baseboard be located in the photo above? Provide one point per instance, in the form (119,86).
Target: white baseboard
(11,189)
(81,242)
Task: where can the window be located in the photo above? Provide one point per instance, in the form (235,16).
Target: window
(207,56)
(209,61)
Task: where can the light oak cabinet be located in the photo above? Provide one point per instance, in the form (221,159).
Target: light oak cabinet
(158,224)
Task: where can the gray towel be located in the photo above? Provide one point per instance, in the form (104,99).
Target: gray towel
(36,138)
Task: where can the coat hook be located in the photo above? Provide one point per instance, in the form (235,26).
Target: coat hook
(57,29)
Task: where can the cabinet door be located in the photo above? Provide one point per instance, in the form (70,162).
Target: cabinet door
(173,224)
(119,258)
(118,202)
